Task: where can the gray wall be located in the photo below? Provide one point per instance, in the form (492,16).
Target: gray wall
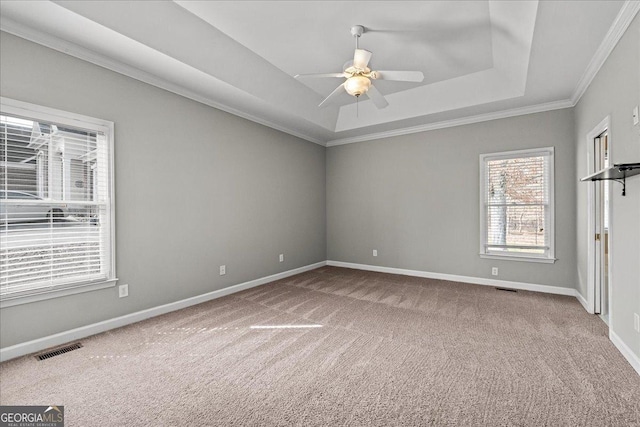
(614,92)
(195,188)
(415,198)
(216,189)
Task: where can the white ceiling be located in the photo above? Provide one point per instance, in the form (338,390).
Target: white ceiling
(481,59)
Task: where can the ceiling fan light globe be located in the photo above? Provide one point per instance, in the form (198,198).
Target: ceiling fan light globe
(357,85)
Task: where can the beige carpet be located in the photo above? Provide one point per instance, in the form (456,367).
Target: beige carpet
(367,349)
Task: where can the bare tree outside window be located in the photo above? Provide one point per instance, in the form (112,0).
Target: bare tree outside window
(517,204)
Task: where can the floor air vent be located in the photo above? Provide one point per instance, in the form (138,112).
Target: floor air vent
(58,351)
(507,290)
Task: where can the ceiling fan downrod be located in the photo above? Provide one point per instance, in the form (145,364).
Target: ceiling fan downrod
(357,31)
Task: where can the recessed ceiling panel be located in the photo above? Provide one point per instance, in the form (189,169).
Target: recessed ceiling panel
(444,40)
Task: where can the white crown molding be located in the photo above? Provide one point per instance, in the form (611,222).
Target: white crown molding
(623,348)
(549,106)
(616,31)
(12,27)
(628,11)
(84,331)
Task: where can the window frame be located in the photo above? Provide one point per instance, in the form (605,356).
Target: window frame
(38,112)
(549,257)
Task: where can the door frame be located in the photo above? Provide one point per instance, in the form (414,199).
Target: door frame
(603,126)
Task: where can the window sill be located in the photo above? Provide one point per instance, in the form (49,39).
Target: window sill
(520,258)
(10,301)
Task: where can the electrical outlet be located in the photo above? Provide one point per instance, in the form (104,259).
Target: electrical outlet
(123,291)
(281,257)
(636,322)
(494,271)
(375,252)
(223,270)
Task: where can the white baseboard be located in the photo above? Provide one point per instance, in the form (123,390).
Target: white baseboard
(96,328)
(583,301)
(455,278)
(620,345)
(29,347)
(625,350)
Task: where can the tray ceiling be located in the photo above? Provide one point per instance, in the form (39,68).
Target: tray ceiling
(479,58)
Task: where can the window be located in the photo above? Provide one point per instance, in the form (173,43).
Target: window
(56,203)
(516,205)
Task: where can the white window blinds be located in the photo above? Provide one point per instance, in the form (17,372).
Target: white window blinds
(55,204)
(517,203)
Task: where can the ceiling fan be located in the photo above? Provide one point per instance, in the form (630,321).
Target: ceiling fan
(359,76)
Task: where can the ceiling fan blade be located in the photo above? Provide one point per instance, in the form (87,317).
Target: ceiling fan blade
(333,95)
(399,76)
(319,75)
(361,58)
(376,97)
